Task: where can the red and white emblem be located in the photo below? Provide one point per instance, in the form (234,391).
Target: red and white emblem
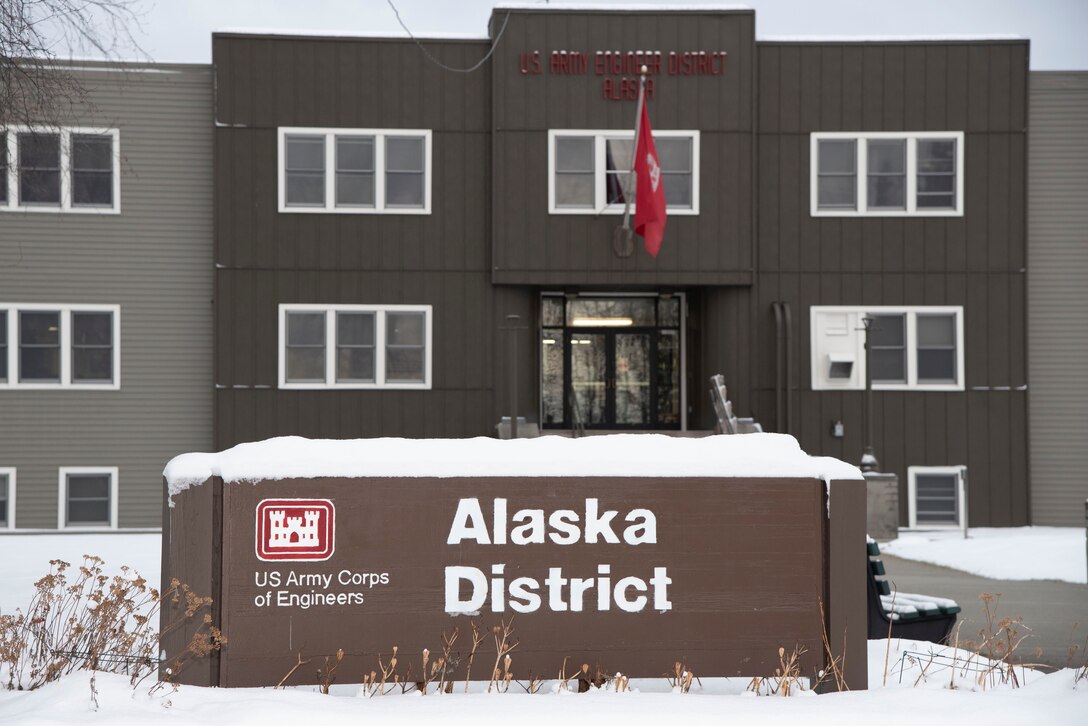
(295,530)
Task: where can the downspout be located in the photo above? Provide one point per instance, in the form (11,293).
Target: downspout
(789,367)
(779,411)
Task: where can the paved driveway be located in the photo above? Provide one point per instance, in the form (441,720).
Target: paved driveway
(1056,612)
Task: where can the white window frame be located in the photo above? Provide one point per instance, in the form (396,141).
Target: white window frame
(600,205)
(65,310)
(9,471)
(961,492)
(14,204)
(379,311)
(855,313)
(330,135)
(861,169)
(62,496)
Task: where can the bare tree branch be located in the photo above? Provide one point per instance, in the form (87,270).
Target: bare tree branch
(37,36)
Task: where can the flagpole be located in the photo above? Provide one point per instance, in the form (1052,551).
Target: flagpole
(629,247)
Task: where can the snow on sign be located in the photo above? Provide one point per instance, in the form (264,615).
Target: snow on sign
(626,551)
(295,530)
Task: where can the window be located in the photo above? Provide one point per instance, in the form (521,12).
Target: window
(355,346)
(59,346)
(7,498)
(589,172)
(937,496)
(911,348)
(87,497)
(59,169)
(355,171)
(905,174)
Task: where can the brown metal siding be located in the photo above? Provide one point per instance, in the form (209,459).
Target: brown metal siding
(531,246)
(976,261)
(265,258)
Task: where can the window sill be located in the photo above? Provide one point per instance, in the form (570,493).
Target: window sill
(47,209)
(355,387)
(886,213)
(614,211)
(60,386)
(354,210)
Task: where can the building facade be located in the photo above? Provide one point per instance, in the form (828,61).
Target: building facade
(105,298)
(380,220)
(1057,295)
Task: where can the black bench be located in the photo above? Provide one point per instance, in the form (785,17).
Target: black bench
(914,617)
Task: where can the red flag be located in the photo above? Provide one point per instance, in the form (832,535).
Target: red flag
(649,188)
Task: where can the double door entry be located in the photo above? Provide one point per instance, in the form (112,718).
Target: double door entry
(611,365)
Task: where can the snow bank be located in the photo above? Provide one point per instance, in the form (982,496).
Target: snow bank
(636,455)
(1007,553)
(1052,699)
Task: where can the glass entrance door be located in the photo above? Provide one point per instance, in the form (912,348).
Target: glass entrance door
(611,363)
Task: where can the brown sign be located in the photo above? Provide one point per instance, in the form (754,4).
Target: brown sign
(628,573)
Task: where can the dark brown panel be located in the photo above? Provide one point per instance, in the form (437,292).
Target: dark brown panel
(738,639)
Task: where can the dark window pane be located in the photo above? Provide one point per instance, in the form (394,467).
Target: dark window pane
(936,330)
(3,345)
(92,365)
(355,189)
(887,156)
(836,192)
(938,366)
(574,190)
(305,153)
(404,154)
(887,192)
(355,364)
(305,189)
(674,154)
(887,330)
(403,365)
(668,312)
(3,512)
(677,190)
(668,377)
(617,154)
(306,328)
(936,155)
(574,153)
(404,328)
(306,365)
(92,188)
(92,152)
(92,328)
(403,189)
(39,168)
(89,512)
(940,183)
(355,154)
(39,187)
(937,201)
(355,328)
(88,486)
(936,498)
(551,310)
(39,328)
(552,366)
(889,365)
(3,166)
(837,157)
(39,364)
(39,151)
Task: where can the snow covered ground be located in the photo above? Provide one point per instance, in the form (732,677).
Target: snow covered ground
(909,701)
(922,694)
(1012,553)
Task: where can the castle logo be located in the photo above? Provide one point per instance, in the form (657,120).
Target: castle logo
(295,530)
